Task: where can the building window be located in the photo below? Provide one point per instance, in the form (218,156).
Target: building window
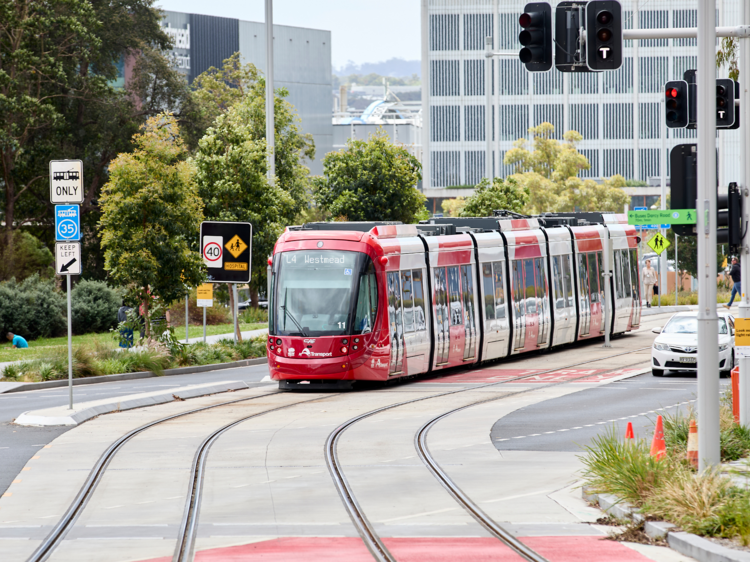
(445,123)
(476,28)
(514,122)
(618,161)
(620,81)
(444,32)
(584,83)
(627,17)
(509,30)
(445,168)
(514,79)
(649,163)
(550,113)
(550,82)
(650,120)
(592,155)
(681,64)
(653,19)
(444,79)
(474,166)
(474,78)
(653,74)
(474,122)
(685,18)
(618,120)
(584,118)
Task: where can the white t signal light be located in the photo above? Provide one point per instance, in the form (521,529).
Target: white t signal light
(604,35)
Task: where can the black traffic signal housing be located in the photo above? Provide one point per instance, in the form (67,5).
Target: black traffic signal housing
(729,210)
(569,53)
(724,103)
(677,108)
(604,35)
(536,36)
(683,183)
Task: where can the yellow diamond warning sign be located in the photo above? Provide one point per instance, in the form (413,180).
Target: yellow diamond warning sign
(658,243)
(235,246)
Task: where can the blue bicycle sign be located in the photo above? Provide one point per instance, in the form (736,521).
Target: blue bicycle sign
(67,222)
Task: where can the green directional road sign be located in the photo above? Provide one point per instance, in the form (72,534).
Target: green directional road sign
(669,216)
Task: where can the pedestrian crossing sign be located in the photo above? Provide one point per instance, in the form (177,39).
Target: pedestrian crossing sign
(659,243)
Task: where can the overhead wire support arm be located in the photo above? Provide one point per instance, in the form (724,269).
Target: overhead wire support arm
(684,32)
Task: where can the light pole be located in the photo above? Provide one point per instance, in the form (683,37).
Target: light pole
(270,129)
(744,362)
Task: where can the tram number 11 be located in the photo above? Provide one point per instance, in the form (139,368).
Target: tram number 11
(342,325)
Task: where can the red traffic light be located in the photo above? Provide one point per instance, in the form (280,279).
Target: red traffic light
(525,20)
(673,92)
(604,18)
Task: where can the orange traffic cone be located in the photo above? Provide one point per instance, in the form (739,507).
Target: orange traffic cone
(692,445)
(658,447)
(629,431)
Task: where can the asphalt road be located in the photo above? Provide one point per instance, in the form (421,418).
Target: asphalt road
(18,444)
(569,423)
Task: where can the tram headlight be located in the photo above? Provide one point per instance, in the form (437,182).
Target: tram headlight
(344,341)
(356,340)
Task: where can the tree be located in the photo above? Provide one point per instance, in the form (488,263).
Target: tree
(150,212)
(549,171)
(231,179)
(453,207)
(372,180)
(501,194)
(30,257)
(687,253)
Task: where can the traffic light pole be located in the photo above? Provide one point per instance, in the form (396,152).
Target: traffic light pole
(708,325)
(744,363)
(270,127)
(489,54)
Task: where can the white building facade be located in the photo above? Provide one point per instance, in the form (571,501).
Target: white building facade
(619,113)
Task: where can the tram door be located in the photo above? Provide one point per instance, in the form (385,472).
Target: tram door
(470,320)
(635,283)
(532,305)
(395,320)
(583,295)
(543,315)
(457,330)
(596,287)
(442,329)
(519,306)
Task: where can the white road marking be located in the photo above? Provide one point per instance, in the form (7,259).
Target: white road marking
(113,506)
(417,515)
(519,496)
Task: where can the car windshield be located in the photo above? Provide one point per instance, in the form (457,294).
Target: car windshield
(314,291)
(689,325)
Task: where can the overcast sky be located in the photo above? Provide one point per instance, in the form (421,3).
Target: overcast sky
(361,31)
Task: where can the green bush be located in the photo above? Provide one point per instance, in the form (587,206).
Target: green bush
(32,308)
(94,307)
(254,316)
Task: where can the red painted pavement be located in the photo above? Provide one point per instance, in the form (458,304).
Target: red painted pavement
(497,375)
(459,549)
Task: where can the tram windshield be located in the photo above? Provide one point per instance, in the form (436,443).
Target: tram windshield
(316,289)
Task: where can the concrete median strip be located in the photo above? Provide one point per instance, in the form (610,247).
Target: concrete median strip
(62,415)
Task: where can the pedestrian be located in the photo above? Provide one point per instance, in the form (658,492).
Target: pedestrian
(649,280)
(126,334)
(18,341)
(736,274)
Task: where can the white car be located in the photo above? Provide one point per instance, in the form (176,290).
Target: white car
(676,347)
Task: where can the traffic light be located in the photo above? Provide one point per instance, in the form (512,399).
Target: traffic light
(683,182)
(604,35)
(724,103)
(729,209)
(676,100)
(536,36)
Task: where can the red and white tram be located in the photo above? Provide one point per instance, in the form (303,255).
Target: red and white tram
(377,301)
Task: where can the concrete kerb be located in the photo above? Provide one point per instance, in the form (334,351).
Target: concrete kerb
(22,387)
(688,544)
(84,411)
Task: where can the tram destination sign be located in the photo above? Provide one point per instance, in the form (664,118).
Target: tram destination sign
(227,250)
(663,217)
(66,181)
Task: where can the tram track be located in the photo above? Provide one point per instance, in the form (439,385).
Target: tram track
(357,515)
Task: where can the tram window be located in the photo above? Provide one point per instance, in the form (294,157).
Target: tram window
(557,282)
(541,282)
(489,291)
(420,320)
(600,259)
(367,301)
(394,304)
(530,291)
(441,297)
(634,277)
(408,301)
(567,278)
(467,286)
(497,269)
(518,287)
(583,285)
(593,271)
(454,294)
(625,268)
(618,274)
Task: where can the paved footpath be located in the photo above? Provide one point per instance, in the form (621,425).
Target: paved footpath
(268,494)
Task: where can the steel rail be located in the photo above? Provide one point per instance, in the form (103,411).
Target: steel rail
(185,549)
(57,534)
(365,529)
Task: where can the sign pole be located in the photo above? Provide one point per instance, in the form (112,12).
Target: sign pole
(708,321)
(204,324)
(70,348)
(676,273)
(187,331)
(744,362)
(234,310)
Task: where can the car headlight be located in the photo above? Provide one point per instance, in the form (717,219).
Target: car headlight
(661,346)
(724,347)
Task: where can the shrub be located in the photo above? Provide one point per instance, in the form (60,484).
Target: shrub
(217,314)
(94,307)
(33,308)
(254,316)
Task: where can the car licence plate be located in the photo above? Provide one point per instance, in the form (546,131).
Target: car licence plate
(688,359)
